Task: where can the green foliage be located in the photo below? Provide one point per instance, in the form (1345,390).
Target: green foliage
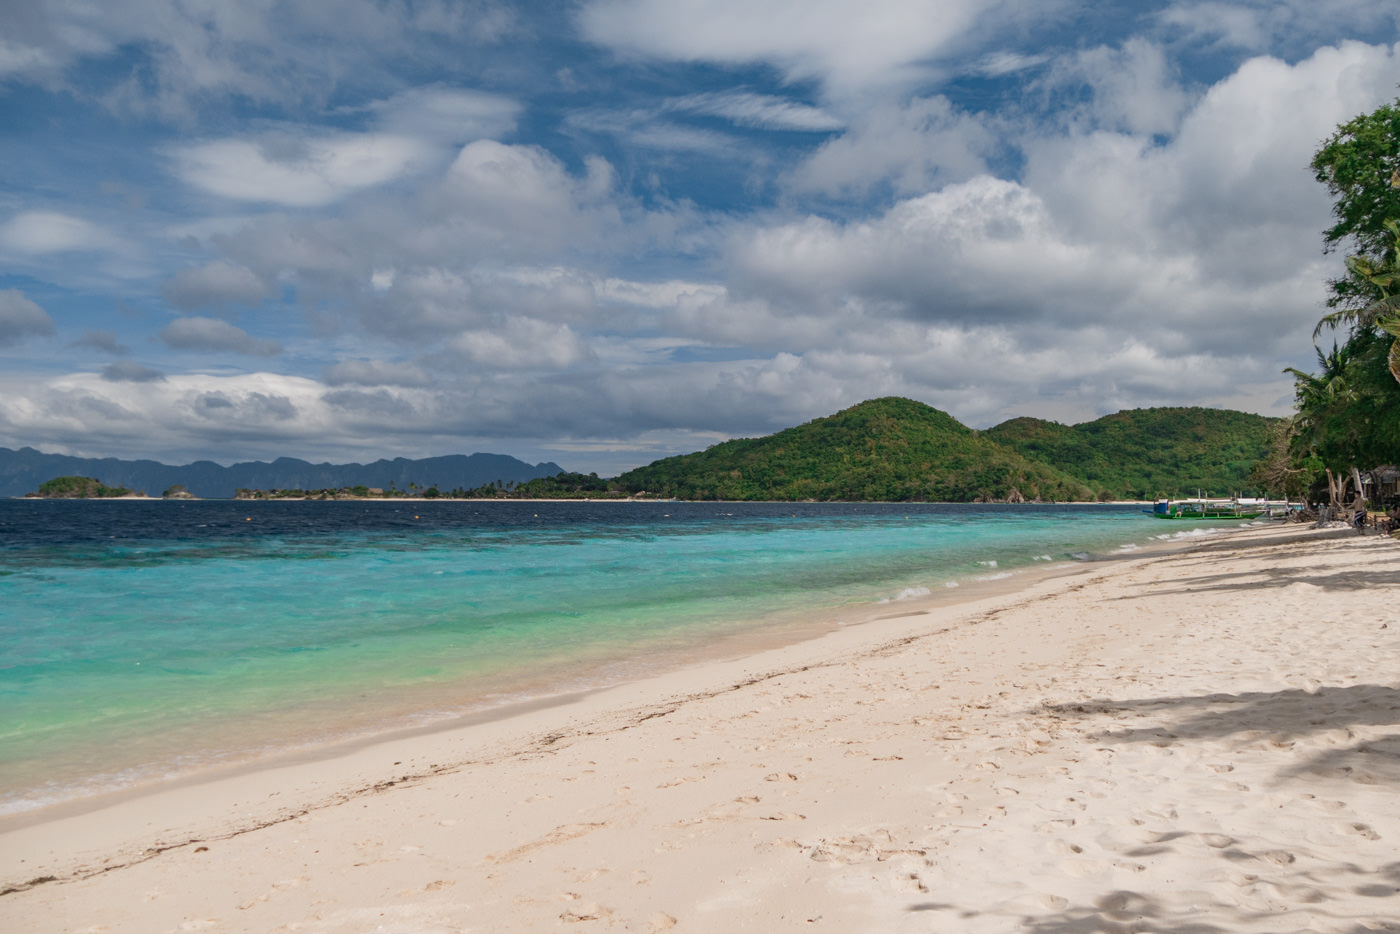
(566,485)
(1146,453)
(1360,164)
(893,450)
(1349,412)
(78,488)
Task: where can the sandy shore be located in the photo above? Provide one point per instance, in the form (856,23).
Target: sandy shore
(1201,741)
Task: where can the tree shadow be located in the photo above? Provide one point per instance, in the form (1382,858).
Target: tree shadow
(1122,911)
(1269,577)
(1292,711)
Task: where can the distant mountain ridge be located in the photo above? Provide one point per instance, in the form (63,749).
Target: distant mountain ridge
(24,470)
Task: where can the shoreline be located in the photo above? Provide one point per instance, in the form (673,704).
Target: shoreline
(581,499)
(864,769)
(233,732)
(773,631)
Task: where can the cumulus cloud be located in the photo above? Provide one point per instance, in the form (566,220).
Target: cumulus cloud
(1231,187)
(1132,88)
(521,343)
(1090,229)
(216,335)
(923,144)
(21,318)
(520,191)
(216,283)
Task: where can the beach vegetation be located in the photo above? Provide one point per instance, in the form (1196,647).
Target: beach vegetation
(1360,166)
(1348,412)
(78,488)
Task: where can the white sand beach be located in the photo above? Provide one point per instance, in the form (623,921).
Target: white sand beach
(1201,740)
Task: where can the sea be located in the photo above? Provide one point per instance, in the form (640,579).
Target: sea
(143,640)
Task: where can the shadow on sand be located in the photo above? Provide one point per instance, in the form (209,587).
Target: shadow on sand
(1315,729)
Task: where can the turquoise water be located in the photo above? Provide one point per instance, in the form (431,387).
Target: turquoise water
(139,640)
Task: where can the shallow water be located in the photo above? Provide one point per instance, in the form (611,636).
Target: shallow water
(143,639)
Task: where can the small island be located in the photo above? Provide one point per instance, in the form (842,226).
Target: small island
(79,488)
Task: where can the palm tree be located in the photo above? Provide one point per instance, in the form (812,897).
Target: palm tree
(1384,312)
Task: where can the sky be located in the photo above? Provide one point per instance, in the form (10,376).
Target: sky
(606,231)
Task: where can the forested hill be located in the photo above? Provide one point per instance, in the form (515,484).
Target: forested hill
(886,449)
(1143,453)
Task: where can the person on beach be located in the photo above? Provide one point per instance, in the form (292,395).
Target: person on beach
(1359,519)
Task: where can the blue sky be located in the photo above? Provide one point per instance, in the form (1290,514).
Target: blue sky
(607,231)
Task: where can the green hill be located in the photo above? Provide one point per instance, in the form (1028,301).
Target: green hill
(1143,453)
(77,488)
(890,449)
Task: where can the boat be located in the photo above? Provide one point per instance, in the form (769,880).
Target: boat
(1201,508)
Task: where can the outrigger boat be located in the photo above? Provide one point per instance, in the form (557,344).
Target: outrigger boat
(1208,509)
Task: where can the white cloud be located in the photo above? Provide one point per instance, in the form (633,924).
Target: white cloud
(444,114)
(195,53)
(297,171)
(1006,63)
(21,318)
(1133,88)
(1232,187)
(41,232)
(1258,25)
(763,111)
(849,45)
(20,59)
(521,201)
(1154,241)
(521,343)
(917,146)
(215,335)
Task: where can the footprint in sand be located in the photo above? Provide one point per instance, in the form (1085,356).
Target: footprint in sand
(590,912)
(1055,826)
